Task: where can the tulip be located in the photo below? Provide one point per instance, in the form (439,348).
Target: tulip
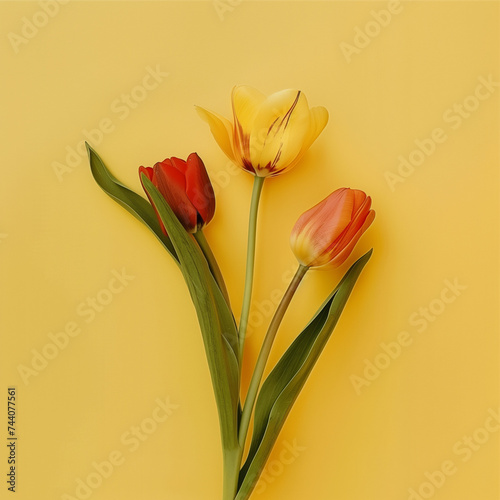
(324,234)
(186,187)
(328,232)
(269,135)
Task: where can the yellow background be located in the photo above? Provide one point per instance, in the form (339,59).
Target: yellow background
(61,240)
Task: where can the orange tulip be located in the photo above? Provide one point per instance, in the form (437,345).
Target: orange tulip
(328,232)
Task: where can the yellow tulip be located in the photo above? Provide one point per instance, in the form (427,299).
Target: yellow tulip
(268,135)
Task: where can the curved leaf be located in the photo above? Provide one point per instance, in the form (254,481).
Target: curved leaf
(216,321)
(284,383)
(138,206)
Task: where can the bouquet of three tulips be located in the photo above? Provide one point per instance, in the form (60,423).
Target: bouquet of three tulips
(268,136)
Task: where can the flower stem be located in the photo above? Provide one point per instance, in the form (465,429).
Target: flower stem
(212,263)
(232,461)
(265,351)
(252,230)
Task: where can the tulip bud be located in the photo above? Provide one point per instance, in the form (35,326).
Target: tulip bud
(186,187)
(269,134)
(328,232)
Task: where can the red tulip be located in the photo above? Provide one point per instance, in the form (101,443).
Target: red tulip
(328,232)
(186,187)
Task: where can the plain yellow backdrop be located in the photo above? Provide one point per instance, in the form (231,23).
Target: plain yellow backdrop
(366,427)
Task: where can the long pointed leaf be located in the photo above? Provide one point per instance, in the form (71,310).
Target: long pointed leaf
(135,204)
(284,383)
(216,321)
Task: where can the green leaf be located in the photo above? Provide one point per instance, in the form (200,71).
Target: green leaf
(284,383)
(138,206)
(216,321)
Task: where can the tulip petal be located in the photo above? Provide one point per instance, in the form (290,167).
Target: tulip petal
(246,102)
(356,223)
(221,129)
(322,240)
(318,228)
(310,214)
(332,217)
(270,134)
(172,185)
(149,173)
(279,130)
(328,232)
(198,187)
(342,256)
(318,120)
(178,164)
(359,200)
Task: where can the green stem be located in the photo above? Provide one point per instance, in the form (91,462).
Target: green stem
(212,263)
(252,230)
(232,462)
(264,353)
